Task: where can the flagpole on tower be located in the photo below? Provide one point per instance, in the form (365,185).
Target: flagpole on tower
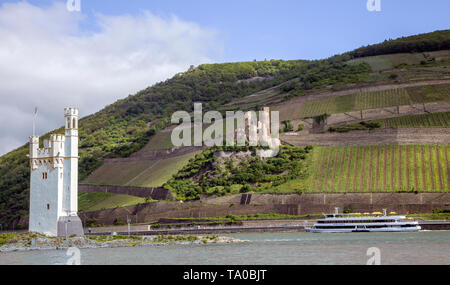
(34,121)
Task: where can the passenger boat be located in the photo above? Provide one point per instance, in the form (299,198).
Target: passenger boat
(375,222)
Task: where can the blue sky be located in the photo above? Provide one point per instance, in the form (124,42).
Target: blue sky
(288,29)
(53,58)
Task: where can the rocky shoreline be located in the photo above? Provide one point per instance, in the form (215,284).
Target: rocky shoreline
(32,242)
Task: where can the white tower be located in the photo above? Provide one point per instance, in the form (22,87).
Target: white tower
(71,162)
(54,182)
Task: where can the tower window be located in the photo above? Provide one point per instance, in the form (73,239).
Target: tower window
(48,207)
(44,175)
(74,125)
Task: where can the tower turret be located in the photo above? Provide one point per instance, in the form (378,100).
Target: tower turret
(71,162)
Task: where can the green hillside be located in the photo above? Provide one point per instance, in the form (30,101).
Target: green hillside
(438,40)
(126,126)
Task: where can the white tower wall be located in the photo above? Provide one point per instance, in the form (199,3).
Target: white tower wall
(46,199)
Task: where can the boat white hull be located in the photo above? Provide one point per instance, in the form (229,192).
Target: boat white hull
(389,229)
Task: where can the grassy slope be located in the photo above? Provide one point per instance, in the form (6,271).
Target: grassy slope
(89,202)
(117,173)
(161,141)
(163,171)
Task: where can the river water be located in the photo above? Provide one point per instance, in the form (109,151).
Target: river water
(428,247)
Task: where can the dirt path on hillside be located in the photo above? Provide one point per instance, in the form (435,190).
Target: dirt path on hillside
(439,136)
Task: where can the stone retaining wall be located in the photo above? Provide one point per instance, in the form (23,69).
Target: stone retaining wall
(295,204)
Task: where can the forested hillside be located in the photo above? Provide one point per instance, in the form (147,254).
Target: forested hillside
(438,40)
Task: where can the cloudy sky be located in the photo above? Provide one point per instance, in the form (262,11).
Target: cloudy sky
(51,57)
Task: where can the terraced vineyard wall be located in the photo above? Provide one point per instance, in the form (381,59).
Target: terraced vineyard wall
(380,169)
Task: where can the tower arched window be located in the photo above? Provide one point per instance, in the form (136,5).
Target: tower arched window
(74,125)
(68,123)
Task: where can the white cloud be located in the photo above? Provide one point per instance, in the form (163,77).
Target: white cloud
(48,60)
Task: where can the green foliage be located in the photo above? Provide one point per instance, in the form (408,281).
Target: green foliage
(8,238)
(321,118)
(393,76)
(329,72)
(288,87)
(206,175)
(245,189)
(300,127)
(91,222)
(438,40)
(355,127)
(118,222)
(288,127)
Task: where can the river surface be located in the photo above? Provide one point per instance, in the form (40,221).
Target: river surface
(428,247)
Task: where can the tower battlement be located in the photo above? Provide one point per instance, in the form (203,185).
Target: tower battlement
(55,147)
(71,112)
